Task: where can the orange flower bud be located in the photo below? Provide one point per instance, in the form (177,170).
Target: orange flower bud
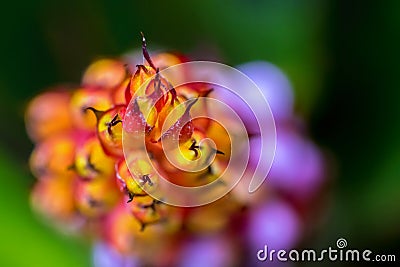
(109,130)
(91,162)
(104,73)
(96,197)
(53,197)
(48,114)
(54,156)
(85,98)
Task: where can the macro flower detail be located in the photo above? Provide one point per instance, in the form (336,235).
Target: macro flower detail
(106,149)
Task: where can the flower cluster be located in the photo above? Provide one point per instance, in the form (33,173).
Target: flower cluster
(88,185)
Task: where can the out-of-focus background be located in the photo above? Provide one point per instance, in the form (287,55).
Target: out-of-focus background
(341,57)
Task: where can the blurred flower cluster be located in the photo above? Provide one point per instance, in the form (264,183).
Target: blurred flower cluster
(86,185)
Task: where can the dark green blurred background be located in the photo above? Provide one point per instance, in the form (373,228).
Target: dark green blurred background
(342,59)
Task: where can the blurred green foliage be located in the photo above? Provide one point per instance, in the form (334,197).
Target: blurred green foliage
(25,241)
(358,118)
(341,58)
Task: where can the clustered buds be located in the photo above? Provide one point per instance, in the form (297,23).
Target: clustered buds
(84,179)
(92,182)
